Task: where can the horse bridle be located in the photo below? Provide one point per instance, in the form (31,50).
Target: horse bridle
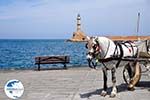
(96,48)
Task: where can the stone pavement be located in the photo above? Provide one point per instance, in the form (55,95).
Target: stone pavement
(72,84)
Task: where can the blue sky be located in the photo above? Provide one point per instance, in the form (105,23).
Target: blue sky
(51,19)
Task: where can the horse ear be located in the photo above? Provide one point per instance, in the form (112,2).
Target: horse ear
(87,38)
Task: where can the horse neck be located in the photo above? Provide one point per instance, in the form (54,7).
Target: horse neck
(107,46)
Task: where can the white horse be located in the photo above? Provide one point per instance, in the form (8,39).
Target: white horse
(104,48)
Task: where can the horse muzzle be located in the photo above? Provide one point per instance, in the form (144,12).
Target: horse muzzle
(91,60)
(89,56)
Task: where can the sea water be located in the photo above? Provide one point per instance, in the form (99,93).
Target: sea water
(21,53)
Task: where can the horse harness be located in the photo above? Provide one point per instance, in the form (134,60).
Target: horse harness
(121,53)
(116,51)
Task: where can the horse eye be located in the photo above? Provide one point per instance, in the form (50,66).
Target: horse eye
(86,46)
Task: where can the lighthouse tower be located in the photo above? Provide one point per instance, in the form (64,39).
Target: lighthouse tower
(78,36)
(78,23)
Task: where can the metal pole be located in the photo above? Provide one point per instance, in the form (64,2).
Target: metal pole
(138,22)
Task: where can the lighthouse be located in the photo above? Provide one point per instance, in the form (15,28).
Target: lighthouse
(79,35)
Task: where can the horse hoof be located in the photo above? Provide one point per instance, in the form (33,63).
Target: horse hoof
(112,95)
(131,89)
(104,93)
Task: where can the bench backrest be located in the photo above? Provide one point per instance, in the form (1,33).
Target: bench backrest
(51,59)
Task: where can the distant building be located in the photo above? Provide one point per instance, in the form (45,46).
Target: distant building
(79,35)
(128,38)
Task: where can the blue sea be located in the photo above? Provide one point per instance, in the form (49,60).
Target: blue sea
(21,53)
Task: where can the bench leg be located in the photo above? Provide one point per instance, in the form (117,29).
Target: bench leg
(65,67)
(38,67)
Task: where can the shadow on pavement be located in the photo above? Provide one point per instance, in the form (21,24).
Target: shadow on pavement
(120,88)
(45,69)
(144,85)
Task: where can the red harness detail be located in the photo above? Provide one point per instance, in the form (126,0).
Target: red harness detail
(129,50)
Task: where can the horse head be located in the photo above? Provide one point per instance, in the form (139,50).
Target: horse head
(93,49)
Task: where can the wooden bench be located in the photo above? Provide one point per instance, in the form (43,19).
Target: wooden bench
(52,60)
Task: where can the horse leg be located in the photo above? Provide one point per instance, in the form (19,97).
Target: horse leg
(104,92)
(114,89)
